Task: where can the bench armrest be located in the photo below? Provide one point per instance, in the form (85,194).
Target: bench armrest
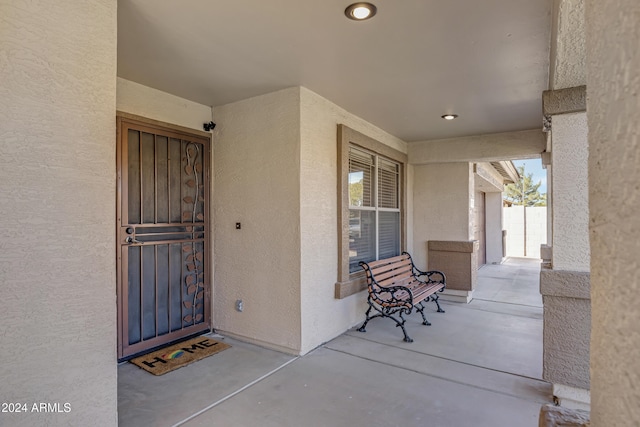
(434,276)
(391,296)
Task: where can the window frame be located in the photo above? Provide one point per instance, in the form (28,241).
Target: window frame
(351,283)
(376,203)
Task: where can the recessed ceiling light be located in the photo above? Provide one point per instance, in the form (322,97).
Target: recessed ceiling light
(449,116)
(360,11)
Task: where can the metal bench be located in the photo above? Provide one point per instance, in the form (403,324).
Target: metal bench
(396,286)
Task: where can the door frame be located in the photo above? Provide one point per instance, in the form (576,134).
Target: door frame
(482,240)
(121,118)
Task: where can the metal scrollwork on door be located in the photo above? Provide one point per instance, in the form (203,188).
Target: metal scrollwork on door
(194,277)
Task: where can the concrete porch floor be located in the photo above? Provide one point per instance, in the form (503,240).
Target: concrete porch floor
(479,364)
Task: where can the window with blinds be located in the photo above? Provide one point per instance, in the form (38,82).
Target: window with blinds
(374,208)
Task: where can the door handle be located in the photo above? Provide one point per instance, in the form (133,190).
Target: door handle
(132,240)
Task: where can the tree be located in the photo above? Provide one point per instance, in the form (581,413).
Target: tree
(525,193)
(356,193)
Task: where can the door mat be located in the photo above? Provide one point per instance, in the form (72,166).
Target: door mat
(178,355)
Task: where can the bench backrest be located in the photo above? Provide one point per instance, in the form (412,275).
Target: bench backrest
(386,272)
(390,272)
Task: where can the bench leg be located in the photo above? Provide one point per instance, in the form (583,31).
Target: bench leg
(385,313)
(434,298)
(420,308)
(363,328)
(404,331)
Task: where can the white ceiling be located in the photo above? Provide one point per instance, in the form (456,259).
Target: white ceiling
(485,60)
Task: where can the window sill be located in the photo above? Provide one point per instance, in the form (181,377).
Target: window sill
(357,283)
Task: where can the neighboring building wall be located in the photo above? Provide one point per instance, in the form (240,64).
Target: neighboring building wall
(58,182)
(323,316)
(613,70)
(257,183)
(536,230)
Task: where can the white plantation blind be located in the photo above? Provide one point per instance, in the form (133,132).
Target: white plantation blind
(388,234)
(374,208)
(362,246)
(361,169)
(387,184)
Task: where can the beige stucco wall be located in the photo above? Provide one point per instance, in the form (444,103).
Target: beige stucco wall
(257,183)
(568,45)
(487,179)
(494,225)
(278,152)
(154,104)
(441,205)
(57,180)
(323,316)
(479,148)
(569,156)
(613,70)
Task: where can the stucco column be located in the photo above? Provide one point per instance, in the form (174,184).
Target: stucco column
(57,242)
(564,280)
(564,284)
(613,69)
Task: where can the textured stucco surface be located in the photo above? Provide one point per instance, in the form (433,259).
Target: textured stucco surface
(567,322)
(257,183)
(494,226)
(487,178)
(565,290)
(566,341)
(275,162)
(323,316)
(457,260)
(147,102)
(441,203)
(569,65)
(563,101)
(613,105)
(557,416)
(479,148)
(571,192)
(57,180)
(571,284)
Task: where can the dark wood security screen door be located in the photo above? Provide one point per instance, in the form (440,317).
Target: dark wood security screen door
(163,235)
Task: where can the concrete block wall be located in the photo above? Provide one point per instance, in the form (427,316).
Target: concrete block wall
(536,230)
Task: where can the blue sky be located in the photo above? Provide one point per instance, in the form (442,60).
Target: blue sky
(534,166)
